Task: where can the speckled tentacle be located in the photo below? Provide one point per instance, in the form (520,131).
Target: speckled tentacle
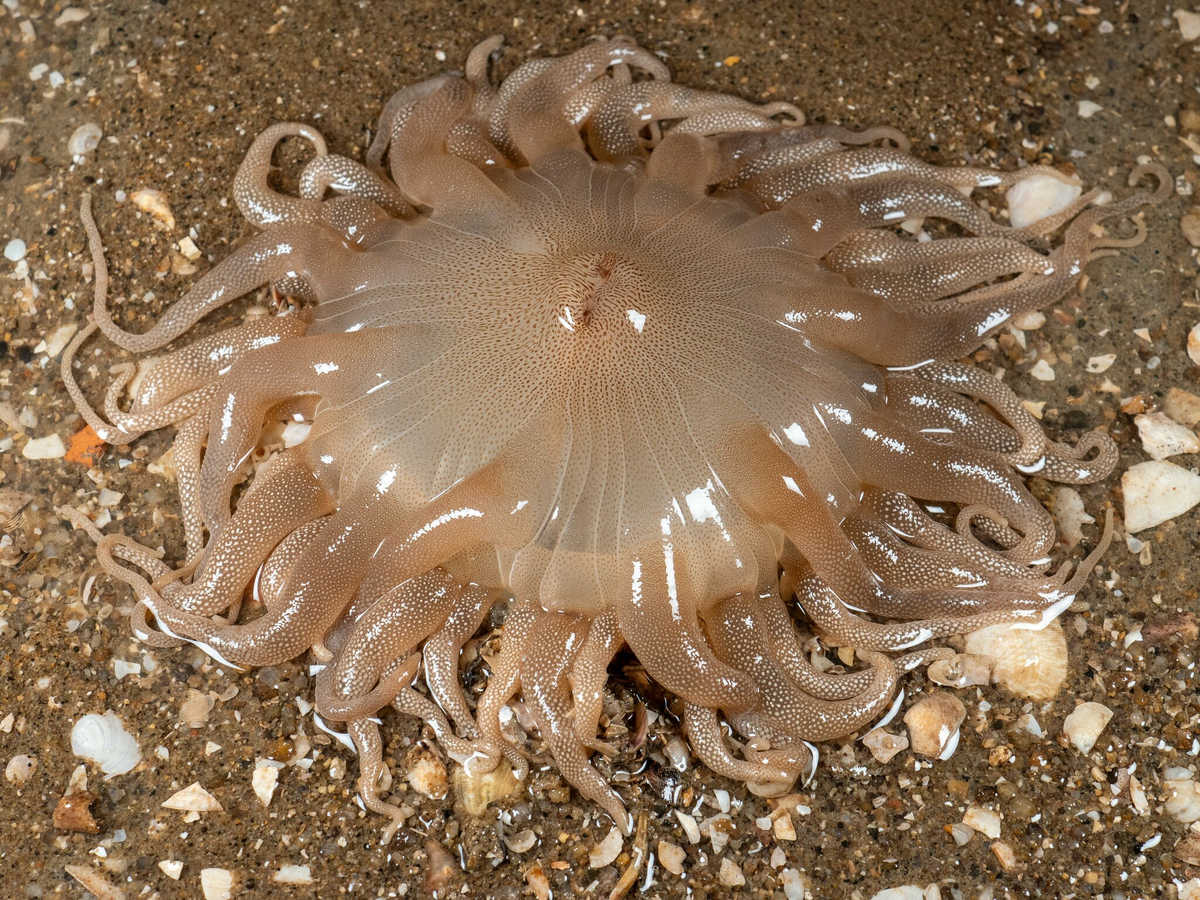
(273,575)
(443,649)
(737,633)
(255,199)
(351,178)
(589,674)
(503,684)
(411,702)
(387,633)
(613,130)
(369,746)
(1070,464)
(188,453)
(672,647)
(553,644)
(703,730)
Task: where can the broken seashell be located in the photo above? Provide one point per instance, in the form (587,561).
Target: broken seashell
(884,745)
(521,842)
(20,769)
(604,853)
(476,792)
(1084,725)
(216,884)
(426,773)
(73,813)
(933,723)
(1162,437)
(1071,515)
(104,741)
(985,821)
(95,883)
(265,779)
(154,202)
(1182,799)
(193,798)
(960,671)
(1156,491)
(1035,198)
(12,509)
(671,856)
(194,710)
(1028,663)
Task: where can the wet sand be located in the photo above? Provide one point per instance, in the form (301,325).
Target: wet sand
(180,90)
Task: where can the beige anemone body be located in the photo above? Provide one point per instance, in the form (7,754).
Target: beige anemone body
(654,366)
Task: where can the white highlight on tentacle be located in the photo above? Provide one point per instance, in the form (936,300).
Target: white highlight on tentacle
(923,635)
(207,648)
(341,737)
(1048,615)
(816,757)
(1036,467)
(892,710)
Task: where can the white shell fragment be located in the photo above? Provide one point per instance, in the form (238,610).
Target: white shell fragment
(933,723)
(216,884)
(1083,726)
(671,856)
(1039,196)
(95,883)
(1042,371)
(1182,406)
(604,853)
(293,875)
(49,447)
(1189,24)
(265,779)
(793,884)
(1098,364)
(985,821)
(1156,491)
(427,775)
(1025,662)
(960,671)
(1071,515)
(84,139)
(154,202)
(193,798)
(70,16)
(1193,344)
(1088,108)
(104,741)
(172,868)
(20,770)
(14,250)
(1182,796)
(1162,437)
(731,873)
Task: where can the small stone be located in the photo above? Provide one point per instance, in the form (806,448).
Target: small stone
(793,884)
(73,813)
(933,723)
(97,885)
(1083,726)
(985,821)
(172,868)
(1182,406)
(731,873)
(884,745)
(49,447)
(264,780)
(1098,364)
(1190,226)
(1071,516)
(209,748)
(193,798)
(1042,371)
(1156,491)
(70,16)
(536,878)
(961,833)
(189,249)
(154,202)
(1088,108)
(1187,850)
(293,875)
(1182,799)
(671,856)
(784,829)
(1137,796)
(1193,344)
(1034,319)
(216,884)
(1189,24)
(14,250)
(1163,437)
(606,851)
(1004,853)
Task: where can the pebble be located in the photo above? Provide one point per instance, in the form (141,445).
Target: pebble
(1088,108)
(99,886)
(1190,226)
(193,798)
(538,882)
(293,874)
(1084,725)
(671,856)
(70,16)
(1193,344)
(84,139)
(14,250)
(216,884)
(1071,515)
(793,884)
(1042,371)
(1034,319)
(1182,406)
(1182,799)
(1103,363)
(1005,855)
(1029,663)
(1034,198)
(985,821)
(427,774)
(1156,491)
(1162,437)
(933,723)
(884,745)
(784,828)
(731,873)
(607,850)
(1189,24)
(49,447)
(172,868)
(73,812)
(154,202)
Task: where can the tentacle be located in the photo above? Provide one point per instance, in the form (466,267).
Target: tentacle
(256,201)
(442,652)
(554,643)
(703,730)
(369,747)
(589,675)
(351,178)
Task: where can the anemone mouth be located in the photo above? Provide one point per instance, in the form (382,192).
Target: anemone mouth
(656,368)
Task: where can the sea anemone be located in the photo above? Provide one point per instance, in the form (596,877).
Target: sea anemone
(654,367)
